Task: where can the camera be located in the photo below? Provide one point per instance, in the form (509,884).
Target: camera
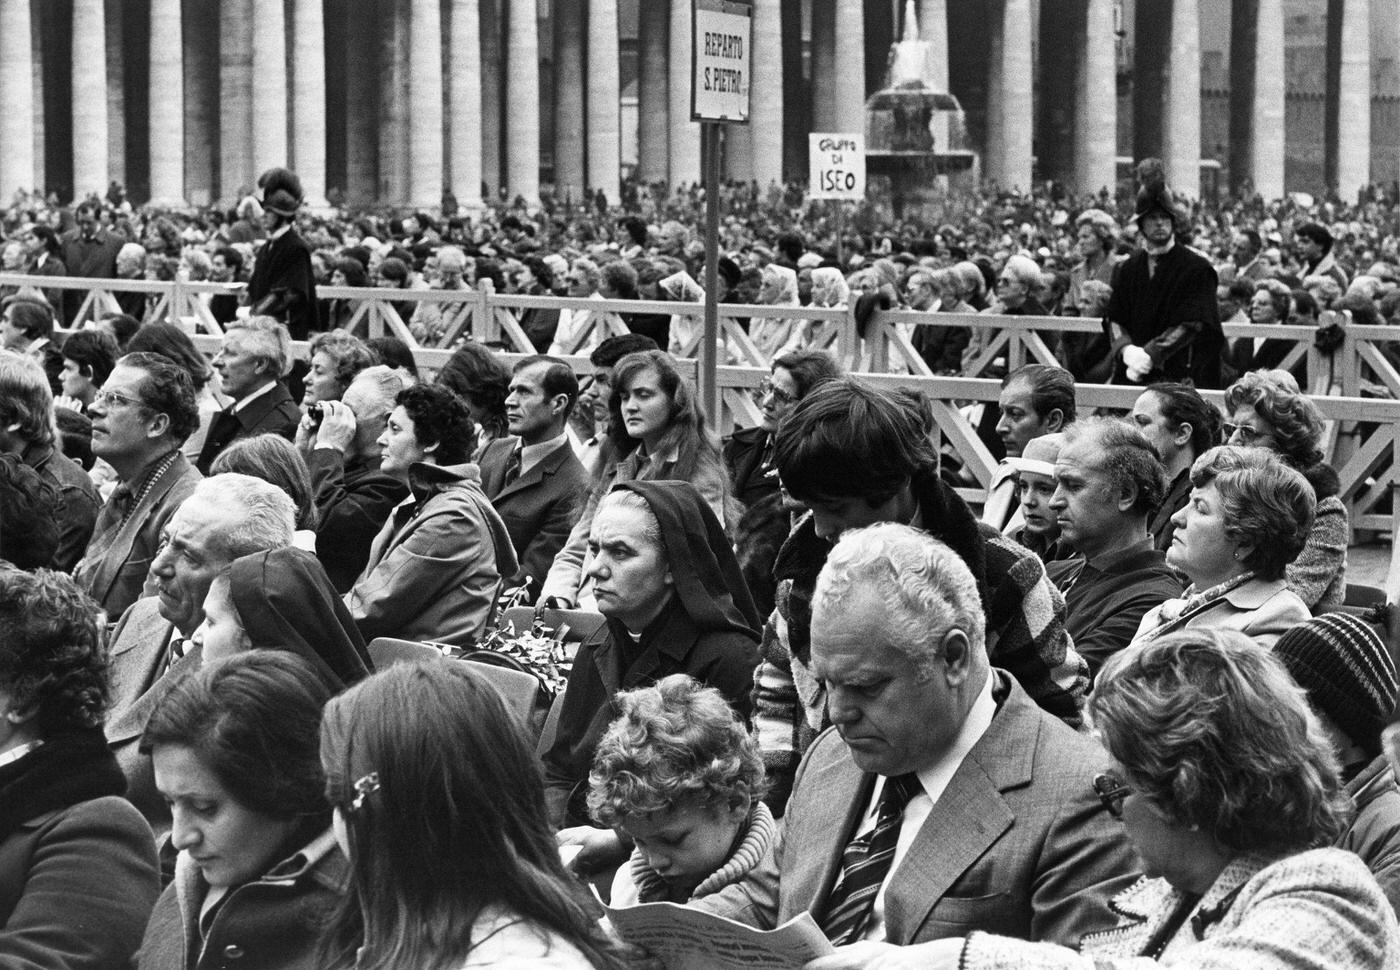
(317,413)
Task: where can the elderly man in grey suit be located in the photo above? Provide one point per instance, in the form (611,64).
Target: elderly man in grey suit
(225,517)
(942,800)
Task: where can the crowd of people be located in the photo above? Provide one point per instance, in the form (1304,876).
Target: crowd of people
(1122,713)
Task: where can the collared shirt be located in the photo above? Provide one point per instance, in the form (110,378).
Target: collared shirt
(1103,565)
(14,754)
(934,779)
(532,455)
(265,389)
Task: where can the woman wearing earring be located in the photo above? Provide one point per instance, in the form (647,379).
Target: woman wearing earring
(1248,517)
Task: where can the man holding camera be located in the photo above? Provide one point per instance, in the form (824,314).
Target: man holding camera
(339,440)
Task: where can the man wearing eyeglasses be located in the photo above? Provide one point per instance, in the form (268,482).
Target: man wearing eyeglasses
(140,419)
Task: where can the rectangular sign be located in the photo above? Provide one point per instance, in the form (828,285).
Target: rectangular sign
(719,86)
(837,166)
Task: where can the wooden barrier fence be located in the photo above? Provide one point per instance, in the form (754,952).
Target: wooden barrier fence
(1362,432)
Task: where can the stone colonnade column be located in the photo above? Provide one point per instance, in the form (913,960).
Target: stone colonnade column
(425,105)
(1354,101)
(766,93)
(684,133)
(604,145)
(1096,113)
(653,101)
(308,157)
(824,65)
(464,102)
(167,104)
(568,100)
(522,117)
(269,86)
(849,73)
(89,98)
(1017,112)
(235,97)
(1266,117)
(1181,123)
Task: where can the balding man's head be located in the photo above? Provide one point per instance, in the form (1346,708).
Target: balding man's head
(225,517)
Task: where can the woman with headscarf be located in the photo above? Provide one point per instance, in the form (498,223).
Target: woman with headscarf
(829,289)
(283,600)
(775,336)
(675,603)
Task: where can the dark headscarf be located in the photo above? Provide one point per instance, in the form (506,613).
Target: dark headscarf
(286,601)
(707,578)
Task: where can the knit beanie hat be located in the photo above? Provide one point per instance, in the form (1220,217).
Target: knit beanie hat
(1347,671)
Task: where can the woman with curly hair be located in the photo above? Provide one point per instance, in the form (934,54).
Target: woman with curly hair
(1267,410)
(234,749)
(679,776)
(439,806)
(436,566)
(78,870)
(1095,234)
(1247,518)
(479,378)
(1227,786)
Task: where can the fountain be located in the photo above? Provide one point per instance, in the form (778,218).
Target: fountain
(915,142)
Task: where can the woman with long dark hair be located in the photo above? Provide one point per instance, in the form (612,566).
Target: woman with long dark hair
(234,750)
(439,805)
(657,432)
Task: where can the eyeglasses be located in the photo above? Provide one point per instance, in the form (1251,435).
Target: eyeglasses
(1005,280)
(767,387)
(1247,434)
(1111,792)
(105,399)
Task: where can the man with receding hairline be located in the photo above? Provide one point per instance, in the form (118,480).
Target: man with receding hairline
(225,517)
(942,800)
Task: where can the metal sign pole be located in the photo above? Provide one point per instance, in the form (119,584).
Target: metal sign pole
(709,346)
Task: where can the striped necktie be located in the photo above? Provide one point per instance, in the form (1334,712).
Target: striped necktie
(866,864)
(513,467)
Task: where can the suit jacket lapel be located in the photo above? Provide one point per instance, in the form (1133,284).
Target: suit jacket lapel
(969,817)
(137,668)
(537,473)
(814,860)
(964,823)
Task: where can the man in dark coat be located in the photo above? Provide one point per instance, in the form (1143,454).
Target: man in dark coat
(282,285)
(1108,481)
(251,363)
(534,479)
(1164,298)
(90,251)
